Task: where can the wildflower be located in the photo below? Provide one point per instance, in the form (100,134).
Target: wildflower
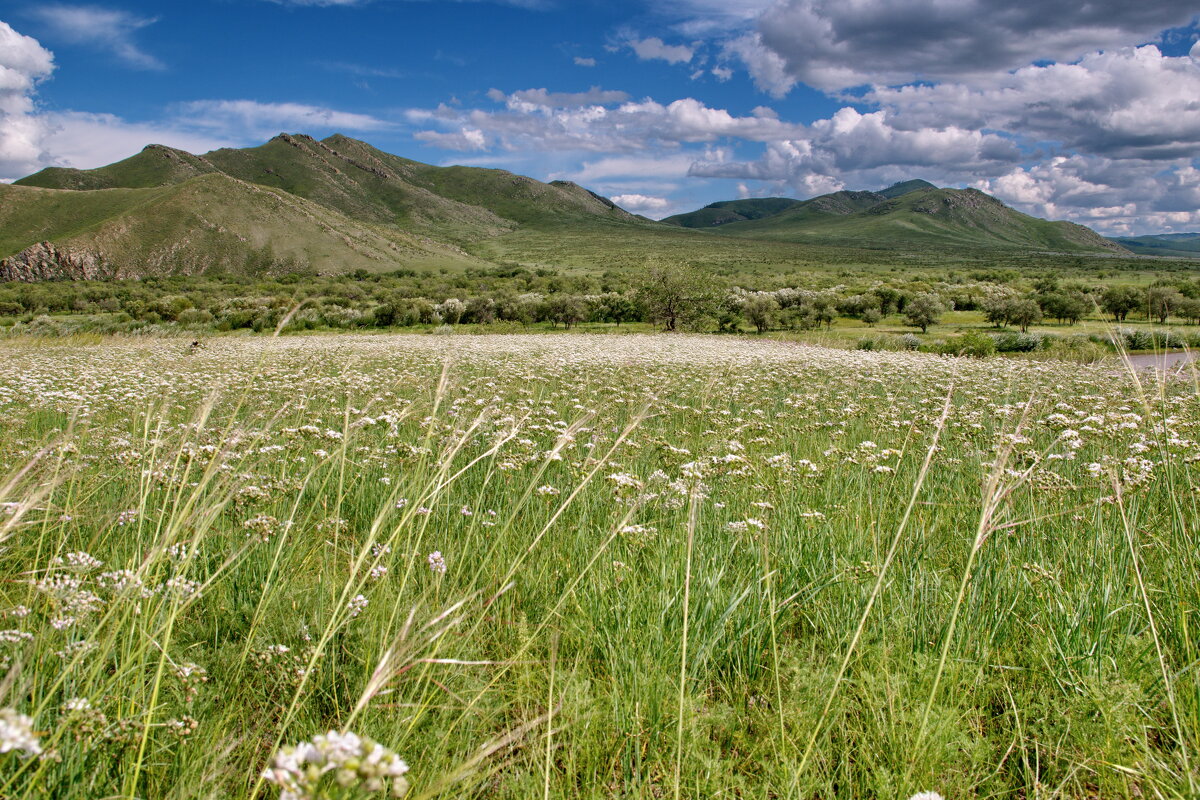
(191,676)
(262,527)
(547,491)
(181,587)
(357,605)
(78,562)
(178,552)
(355,761)
(125,517)
(77,648)
(16,733)
(437,564)
(183,727)
(466,511)
(14,636)
(123,581)
(20,612)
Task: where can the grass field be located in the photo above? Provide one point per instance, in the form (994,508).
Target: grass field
(592,566)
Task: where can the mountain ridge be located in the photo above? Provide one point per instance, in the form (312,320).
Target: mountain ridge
(915,213)
(339,204)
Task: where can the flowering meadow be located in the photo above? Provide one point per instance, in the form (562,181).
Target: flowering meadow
(592,566)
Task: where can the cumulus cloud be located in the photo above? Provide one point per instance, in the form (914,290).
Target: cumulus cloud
(1128,103)
(833,44)
(104,28)
(1117,197)
(655,48)
(23,63)
(639,167)
(867,147)
(597,127)
(642,204)
(83,140)
(30,140)
(580,61)
(248,118)
(527,99)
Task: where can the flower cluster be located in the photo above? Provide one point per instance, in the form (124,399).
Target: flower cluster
(354,761)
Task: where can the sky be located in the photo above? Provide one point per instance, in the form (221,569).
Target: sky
(1086,111)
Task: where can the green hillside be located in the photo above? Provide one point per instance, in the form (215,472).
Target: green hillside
(727,211)
(904,187)
(926,218)
(210,222)
(1176,245)
(156,165)
(339,204)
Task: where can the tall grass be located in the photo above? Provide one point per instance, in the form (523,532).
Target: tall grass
(677,566)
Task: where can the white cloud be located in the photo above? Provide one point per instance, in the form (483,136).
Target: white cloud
(23,63)
(655,48)
(1117,197)
(107,29)
(833,44)
(642,204)
(584,62)
(627,127)
(853,144)
(658,166)
(84,141)
(248,118)
(30,140)
(1130,102)
(529,99)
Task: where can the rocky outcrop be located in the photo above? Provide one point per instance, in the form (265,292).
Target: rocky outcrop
(47,262)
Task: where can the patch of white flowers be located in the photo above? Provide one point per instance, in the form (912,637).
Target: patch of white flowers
(16,734)
(354,761)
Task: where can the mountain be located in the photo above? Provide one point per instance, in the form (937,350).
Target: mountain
(916,215)
(338,205)
(904,187)
(331,205)
(732,211)
(1179,245)
(209,222)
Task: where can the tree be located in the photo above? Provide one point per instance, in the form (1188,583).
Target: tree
(1120,300)
(1024,311)
(924,310)
(1161,301)
(1189,309)
(565,308)
(1067,307)
(996,309)
(678,294)
(761,311)
(451,310)
(871,316)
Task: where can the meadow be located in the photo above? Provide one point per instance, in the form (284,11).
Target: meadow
(560,566)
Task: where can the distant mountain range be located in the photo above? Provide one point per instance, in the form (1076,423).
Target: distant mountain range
(1179,245)
(339,205)
(911,214)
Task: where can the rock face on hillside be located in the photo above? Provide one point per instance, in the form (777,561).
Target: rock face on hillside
(44,262)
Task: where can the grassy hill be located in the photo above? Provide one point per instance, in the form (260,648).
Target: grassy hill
(339,204)
(210,222)
(1177,245)
(727,211)
(923,218)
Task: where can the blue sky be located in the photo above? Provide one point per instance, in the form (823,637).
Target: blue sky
(1087,113)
